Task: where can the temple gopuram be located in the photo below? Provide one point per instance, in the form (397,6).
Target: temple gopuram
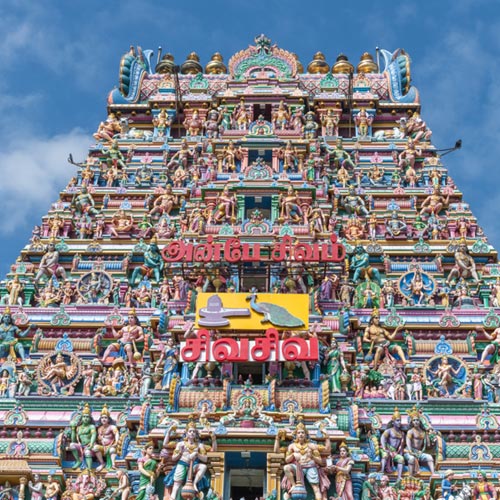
(261,283)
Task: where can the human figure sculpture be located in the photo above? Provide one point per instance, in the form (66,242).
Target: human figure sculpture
(153,265)
(190,456)
(241,116)
(106,441)
(465,266)
(52,488)
(49,265)
(9,345)
(128,336)
(149,471)
(225,207)
(492,350)
(165,202)
(342,470)
(289,156)
(335,364)
(230,155)
(303,461)
(108,129)
(310,126)
(354,204)
(83,203)
(407,157)
(380,341)
(162,123)
(360,264)
(281,117)
(363,122)
(193,124)
(290,209)
(36,487)
(434,203)
(341,156)
(181,156)
(83,438)
(417,441)
(417,129)
(121,223)
(211,124)
(123,489)
(385,490)
(113,156)
(483,489)
(330,123)
(392,443)
(444,374)
(395,226)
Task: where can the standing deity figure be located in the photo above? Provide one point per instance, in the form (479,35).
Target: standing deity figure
(380,341)
(335,366)
(385,490)
(289,156)
(165,202)
(193,124)
(230,154)
(363,122)
(360,264)
(149,470)
(83,438)
(52,488)
(392,443)
(49,265)
(484,490)
(9,345)
(127,337)
(330,123)
(211,124)
(162,123)
(417,441)
(281,117)
(303,461)
(241,116)
(310,125)
(407,157)
(123,489)
(342,470)
(107,440)
(15,288)
(191,458)
(36,487)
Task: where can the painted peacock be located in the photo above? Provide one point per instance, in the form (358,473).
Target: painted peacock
(274,314)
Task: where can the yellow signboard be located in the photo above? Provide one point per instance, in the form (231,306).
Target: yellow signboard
(252,311)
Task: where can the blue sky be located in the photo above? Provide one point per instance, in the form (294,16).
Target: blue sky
(60,59)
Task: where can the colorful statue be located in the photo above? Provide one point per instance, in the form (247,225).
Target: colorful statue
(417,441)
(342,470)
(83,438)
(107,440)
(9,345)
(392,443)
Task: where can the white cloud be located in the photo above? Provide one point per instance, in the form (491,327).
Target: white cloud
(33,172)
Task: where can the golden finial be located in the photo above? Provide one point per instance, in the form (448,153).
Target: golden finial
(132,312)
(216,65)
(367,64)
(191,66)
(166,65)
(318,64)
(342,65)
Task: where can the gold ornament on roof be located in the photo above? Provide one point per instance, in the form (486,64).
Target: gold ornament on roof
(166,65)
(318,64)
(216,65)
(342,65)
(367,64)
(191,66)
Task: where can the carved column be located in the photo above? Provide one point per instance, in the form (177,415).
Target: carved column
(216,468)
(274,473)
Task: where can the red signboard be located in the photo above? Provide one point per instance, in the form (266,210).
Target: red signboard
(233,251)
(268,348)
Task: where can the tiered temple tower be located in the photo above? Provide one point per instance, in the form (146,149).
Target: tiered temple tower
(261,282)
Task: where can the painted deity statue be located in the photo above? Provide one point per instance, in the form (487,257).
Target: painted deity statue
(417,441)
(106,441)
(303,463)
(392,443)
(83,438)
